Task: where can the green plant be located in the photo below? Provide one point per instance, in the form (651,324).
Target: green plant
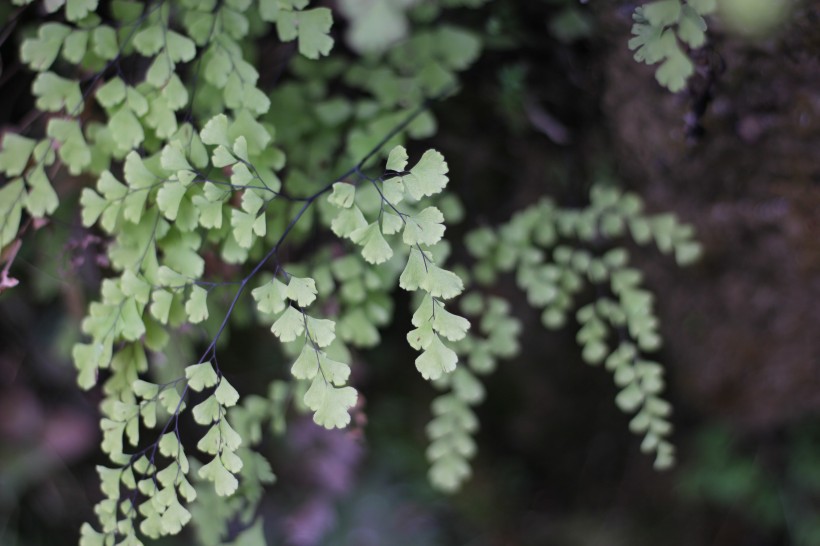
(660,28)
(225,204)
(778,492)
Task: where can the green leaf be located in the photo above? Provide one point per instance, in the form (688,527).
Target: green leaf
(210,213)
(173,157)
(374,247)
(104,42)
(109,481)
(180,48)
(391,223)
(289,325)
(15,154)
(92,206)
(132,326)
(688,253)
(270,297)
(441,283)
(703,7)
(225,483)
(255,100)
(126,130)
(74,150)
(210,442)
(458,47)
(112,93)
(78,9)
(175,93)
(169,445)
(149,41)
(207,411)
(42,199)
(90,537)
(357,328)
(348,221)
(436,360)
(175,516)
(629,398)
(376,25)
(321,331)
(393,191)
(112,436)
(242,176)
(301,290)
(197,306)
(55,93)
(169,197)
(216,131)
(200,376)
(334,112)
(662,12)
(240,148)
(347,267)
(88,358)
(110,187)
(218,68)
(334,371)
(415,272)
(448,472)
(136,101)
(692,27)
(421,337)
(39,53)
(428,176)
(226,394)
(256,135)
(397,160)
(675,70)
(424,228)
(330,403)
(467,387)
(161,305)
(641,230)
(594,352)
(159,72)
(451,326)
(145,390)
(245,225)
(310,26)
(306,365)
(343,195)
(75,46)
(425,312)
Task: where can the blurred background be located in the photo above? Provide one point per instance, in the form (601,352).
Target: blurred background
(555,101)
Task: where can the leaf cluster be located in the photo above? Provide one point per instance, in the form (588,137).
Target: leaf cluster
(661,28)
(200,172)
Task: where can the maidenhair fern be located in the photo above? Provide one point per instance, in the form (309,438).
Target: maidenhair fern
(555,253)
(198,169)
(661,31)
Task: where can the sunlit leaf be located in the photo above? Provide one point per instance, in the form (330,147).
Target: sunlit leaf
(428,176)
(436,360)
(424,228)
(330,404)
(15,153)
(200,376)
(197,306)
